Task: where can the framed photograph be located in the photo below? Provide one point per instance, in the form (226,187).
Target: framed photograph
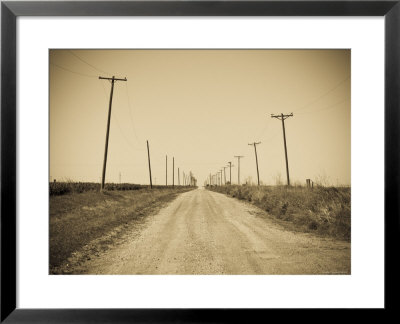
(190,161)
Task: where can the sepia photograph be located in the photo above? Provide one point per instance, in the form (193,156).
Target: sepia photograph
(200,161)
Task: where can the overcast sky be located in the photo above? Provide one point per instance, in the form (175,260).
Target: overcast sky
(201,107)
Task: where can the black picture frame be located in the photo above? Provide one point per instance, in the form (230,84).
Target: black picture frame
(10,10)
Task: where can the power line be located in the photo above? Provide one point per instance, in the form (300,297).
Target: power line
(104,90)
(324,94)
(130,112)
(131,145)
(71,71)
(272,137)
(309,104)
(130,115)
(325,108)
(91,65)
(264,129)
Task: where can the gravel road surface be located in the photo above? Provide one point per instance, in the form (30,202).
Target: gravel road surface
(204,232)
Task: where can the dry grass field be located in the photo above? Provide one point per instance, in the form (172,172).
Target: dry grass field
(321,210)
(61,188)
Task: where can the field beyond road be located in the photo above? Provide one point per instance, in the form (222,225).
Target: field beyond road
(83,225)
(205,232)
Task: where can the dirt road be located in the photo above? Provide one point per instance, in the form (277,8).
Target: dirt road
(203,232)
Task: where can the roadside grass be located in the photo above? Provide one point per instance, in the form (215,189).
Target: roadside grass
(76,219)
(323,210)
(65,187)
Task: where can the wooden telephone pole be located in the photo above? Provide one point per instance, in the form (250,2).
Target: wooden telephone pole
(166,170)
(173,171)
(148,155)
(282,117)
(238,157)
(225,175)
(230,172)
(113,79)
(255,151)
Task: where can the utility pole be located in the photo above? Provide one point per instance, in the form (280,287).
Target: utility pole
(230,172)
(120,178)
(148,156)
(255,151)
(221,176)
(282,117)
(166,170)
(113,79)
(238,157)
(173,172)
(224,175)
(179,181)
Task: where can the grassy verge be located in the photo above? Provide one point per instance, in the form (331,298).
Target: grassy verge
(62,188)
(324,210)
(77,219)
